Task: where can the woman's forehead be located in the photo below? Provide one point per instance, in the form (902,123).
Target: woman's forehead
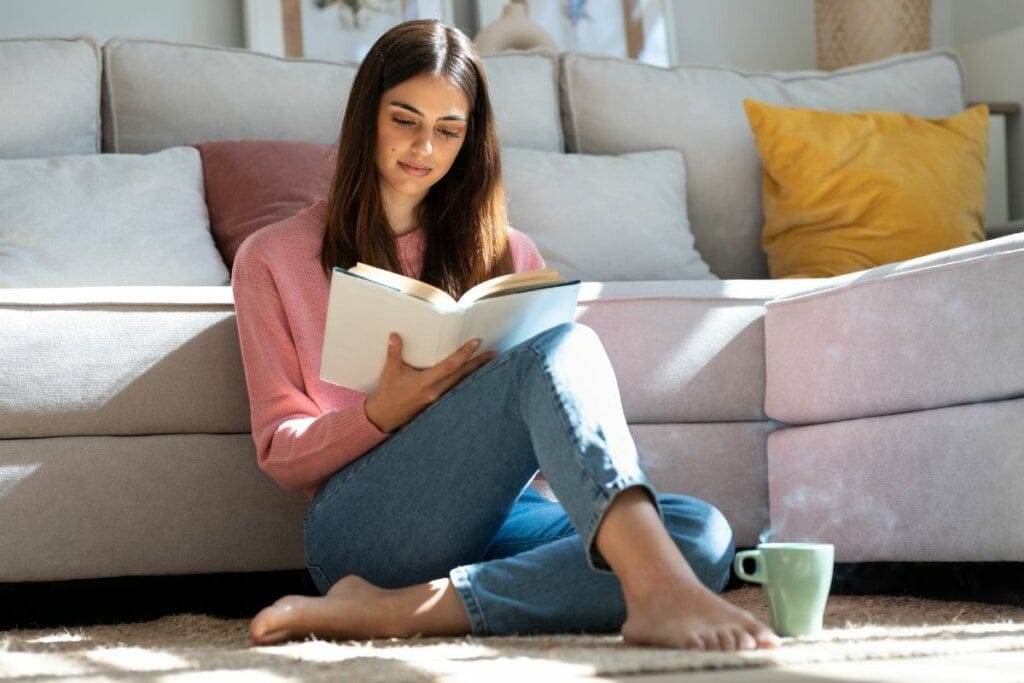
(429,95)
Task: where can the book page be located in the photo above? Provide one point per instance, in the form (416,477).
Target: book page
(513,282)
(408,285)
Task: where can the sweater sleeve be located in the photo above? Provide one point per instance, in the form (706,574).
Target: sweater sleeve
(297,444)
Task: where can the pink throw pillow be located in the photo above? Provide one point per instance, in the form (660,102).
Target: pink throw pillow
(253,183)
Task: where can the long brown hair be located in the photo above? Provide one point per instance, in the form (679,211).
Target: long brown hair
(464,213)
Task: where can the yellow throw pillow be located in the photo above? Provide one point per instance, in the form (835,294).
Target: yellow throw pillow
(844,192)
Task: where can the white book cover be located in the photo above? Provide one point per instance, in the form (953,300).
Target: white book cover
(361,313)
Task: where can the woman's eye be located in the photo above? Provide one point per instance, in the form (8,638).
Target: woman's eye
(404,123)
(449,133)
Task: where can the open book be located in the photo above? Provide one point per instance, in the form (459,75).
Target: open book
(367,303)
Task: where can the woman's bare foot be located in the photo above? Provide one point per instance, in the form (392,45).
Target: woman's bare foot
(347,611)
(356,609)
(692,617)
(666,603)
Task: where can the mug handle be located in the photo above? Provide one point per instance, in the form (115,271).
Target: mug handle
(737,566)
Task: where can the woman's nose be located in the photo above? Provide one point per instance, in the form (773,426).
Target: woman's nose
(423,144)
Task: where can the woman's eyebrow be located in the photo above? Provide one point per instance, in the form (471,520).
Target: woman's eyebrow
(414,110)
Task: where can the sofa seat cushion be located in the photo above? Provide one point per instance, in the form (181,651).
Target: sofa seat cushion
(934,331)
(120,361)
(685,351)
(83,507)
(613,106)
(50,90)
(723,463)
(159,94)
(943,485)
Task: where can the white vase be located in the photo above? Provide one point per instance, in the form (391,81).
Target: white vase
(513,30)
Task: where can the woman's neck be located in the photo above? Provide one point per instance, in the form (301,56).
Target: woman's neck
(402,212)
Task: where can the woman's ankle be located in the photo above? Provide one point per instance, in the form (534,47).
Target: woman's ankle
(432,609)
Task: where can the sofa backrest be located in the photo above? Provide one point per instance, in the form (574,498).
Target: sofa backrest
(614,106)
(49,97)
(158,94)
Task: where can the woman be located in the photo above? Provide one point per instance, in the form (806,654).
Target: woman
(421,519)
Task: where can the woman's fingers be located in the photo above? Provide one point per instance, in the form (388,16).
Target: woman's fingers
(454,362)
(475,364)
(463,371)
(405,391)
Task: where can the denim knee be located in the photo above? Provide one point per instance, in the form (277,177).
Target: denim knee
(703,535)
(563,337)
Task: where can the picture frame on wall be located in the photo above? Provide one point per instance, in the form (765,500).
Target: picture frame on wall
(333,30)
(636,29)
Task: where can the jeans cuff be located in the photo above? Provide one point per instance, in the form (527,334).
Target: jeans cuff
(611,490)
(460,578)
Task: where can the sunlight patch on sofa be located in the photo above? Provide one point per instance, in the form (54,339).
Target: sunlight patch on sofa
(707,337)
(12,475)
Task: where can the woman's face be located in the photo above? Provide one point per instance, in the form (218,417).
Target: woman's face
(421,125)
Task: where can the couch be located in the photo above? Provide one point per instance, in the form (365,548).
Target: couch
(881,410)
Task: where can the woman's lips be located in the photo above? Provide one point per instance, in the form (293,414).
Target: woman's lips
(414,170)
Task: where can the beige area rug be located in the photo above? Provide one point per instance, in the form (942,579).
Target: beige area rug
(187,648)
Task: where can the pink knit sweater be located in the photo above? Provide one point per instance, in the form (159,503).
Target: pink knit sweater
(306,429)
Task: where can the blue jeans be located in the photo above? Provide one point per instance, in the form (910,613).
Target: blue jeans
(448,495)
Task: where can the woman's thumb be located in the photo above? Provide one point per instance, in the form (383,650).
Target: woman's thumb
(394,348)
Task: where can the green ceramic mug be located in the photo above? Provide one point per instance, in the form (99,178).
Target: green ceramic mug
(796,579)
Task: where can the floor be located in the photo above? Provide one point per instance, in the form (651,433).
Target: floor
(1000,667)
(45,605)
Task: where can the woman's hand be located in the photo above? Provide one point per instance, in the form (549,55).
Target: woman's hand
(403,391)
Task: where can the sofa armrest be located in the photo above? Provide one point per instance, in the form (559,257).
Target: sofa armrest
(1004,229)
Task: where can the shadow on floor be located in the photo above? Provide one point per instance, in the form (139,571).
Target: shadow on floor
(144,598)
(242,595)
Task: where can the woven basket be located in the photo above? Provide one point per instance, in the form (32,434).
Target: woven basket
(854,31)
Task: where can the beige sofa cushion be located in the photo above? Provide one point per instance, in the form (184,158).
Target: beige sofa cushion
(936,485)
(723,463)
(82,507)
(524,93)
(120,361)
(612,106)
(604,217)
(159,94)
(934,331)
(165,360)
(685,351)
(49,97)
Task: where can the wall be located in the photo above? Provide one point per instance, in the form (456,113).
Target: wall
(206,22)
(981,19)
(746,34)
(766,36)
